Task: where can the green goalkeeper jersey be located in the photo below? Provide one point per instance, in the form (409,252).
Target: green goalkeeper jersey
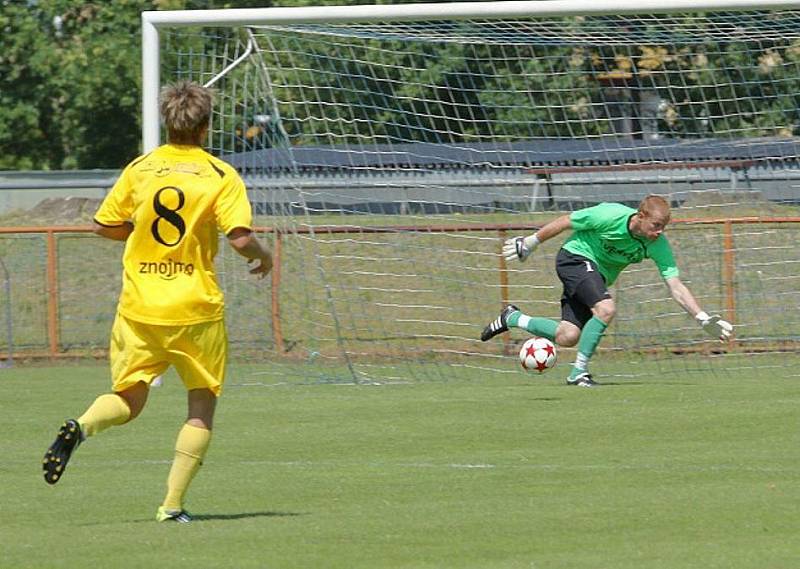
(601,234)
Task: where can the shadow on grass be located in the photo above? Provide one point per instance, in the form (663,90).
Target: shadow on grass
(213,517)
(243,515)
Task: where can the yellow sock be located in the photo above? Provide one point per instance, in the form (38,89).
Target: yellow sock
(190,448)
(106,411)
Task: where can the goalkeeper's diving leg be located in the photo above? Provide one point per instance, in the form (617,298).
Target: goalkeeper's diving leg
(512,317)
(591,334)
(564,333)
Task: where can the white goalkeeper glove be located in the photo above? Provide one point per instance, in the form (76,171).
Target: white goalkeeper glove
(520,248)
(715,326)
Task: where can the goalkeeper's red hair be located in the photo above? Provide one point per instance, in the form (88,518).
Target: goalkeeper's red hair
(651,219)
(655,207)
(186,111)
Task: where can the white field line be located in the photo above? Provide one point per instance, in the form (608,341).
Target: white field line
(331,464)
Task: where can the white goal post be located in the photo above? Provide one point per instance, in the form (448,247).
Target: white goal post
(388,150)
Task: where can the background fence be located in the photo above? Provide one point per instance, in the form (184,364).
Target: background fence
(60,287)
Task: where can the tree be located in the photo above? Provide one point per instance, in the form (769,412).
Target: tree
(70,87)
(70,83)
(70,78)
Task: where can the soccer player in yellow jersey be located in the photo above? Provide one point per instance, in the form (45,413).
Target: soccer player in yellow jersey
(168,206)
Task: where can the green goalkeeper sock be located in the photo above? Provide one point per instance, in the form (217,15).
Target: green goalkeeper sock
(537,326)
(591,335)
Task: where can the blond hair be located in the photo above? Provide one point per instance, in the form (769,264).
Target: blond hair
(654,206)
(186,111)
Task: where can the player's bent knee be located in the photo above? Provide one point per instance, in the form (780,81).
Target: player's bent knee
(202,404)
(136,398)
(567,335)
(605,310)
(566,340)
(205,423)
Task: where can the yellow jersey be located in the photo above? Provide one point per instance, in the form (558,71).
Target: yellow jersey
(178,199)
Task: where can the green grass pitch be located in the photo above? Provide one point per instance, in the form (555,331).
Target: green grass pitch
(518,471)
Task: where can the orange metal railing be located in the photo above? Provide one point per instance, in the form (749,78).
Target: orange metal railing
(52,285)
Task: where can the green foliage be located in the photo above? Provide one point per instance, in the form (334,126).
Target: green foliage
(70,90)
(70,82)
(745,91)
(543,92)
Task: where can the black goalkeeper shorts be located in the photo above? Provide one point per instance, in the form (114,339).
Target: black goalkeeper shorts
(584,287)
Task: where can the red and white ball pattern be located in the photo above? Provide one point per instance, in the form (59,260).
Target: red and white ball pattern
(538,354)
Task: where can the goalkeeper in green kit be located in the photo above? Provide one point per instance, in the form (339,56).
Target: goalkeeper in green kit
(606,238)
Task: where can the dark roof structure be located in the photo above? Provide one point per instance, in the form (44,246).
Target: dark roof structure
(543,153)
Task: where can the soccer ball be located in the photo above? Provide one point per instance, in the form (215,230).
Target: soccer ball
(538,354)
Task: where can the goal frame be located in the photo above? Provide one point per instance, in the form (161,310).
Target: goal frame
(153,21)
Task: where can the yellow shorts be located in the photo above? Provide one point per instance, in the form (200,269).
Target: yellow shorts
(142,352)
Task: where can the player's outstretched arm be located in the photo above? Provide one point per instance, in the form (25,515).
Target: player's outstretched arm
(245,243)
(713,325)
(520,248)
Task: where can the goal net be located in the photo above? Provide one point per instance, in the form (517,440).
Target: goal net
(386,162)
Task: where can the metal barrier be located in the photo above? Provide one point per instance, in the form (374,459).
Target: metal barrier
(54,347)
